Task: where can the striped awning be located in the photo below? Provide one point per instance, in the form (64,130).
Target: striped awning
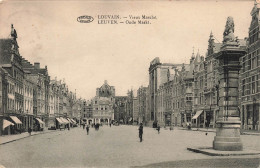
(16,120)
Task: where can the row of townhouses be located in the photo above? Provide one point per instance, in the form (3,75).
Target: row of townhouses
(187,94)
(181,94)
(29,98)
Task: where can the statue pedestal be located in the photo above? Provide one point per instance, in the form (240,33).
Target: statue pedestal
(228,122)
(227,136)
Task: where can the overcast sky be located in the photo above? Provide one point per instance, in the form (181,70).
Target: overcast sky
(86,54)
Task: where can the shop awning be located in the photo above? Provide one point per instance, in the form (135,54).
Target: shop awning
(198,113)
(59,120)
(40,121)
(64,120)
(6,123)
(73,121)
(69,120)
(16,120)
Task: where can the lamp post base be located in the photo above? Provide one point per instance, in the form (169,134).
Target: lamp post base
(227,136)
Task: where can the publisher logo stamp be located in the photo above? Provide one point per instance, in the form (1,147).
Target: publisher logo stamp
(85,19)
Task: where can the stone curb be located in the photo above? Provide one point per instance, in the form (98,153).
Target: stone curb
(25,137)
(242,133)
(203,150)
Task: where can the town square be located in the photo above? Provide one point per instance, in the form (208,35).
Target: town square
(129,84)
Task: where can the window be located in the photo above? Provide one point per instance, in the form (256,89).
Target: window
(243,87)
(249,62)
(254,63)
(257,85)
(257,60)
(253,84)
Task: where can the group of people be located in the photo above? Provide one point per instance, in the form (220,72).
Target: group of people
(93,125)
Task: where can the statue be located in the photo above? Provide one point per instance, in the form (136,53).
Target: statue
(228,35)
(13,32)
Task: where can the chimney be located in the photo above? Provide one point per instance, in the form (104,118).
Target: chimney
(37,65)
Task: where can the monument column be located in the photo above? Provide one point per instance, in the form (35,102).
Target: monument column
(228,122)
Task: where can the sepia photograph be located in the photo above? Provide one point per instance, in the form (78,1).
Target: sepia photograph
(129,83)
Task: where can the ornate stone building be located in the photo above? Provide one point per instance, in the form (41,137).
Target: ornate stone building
(120,109)
(157,77)
(250,76)
(11,62)
(143,112)
(103,103)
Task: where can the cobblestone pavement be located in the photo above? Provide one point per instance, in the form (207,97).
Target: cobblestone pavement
(117,146)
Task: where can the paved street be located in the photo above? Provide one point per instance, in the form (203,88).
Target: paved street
(118,146)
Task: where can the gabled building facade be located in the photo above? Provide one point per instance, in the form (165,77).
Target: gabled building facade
(250,76)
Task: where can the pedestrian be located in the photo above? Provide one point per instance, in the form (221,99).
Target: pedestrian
(30,131)
(207,125)
(158,128)
(98,126)
(141,132)
(87,128)
(110,124)
(83,126)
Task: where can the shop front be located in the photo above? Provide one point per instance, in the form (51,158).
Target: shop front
(250,116)
(198,119)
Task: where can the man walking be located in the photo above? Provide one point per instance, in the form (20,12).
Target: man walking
(158,128)
(141,132)
(30,131)
(87,128)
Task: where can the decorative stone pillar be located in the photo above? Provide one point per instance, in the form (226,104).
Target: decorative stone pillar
(228,122)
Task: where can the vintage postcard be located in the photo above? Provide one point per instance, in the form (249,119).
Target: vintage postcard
(131,83)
